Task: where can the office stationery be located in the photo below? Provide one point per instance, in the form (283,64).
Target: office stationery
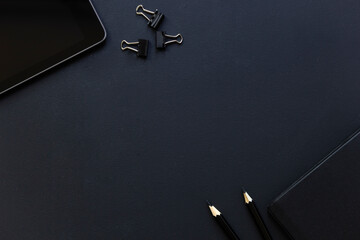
(250,204)
(223,222)
(324,203)
(142,45)
(161,39)
(155,19)
(38,35)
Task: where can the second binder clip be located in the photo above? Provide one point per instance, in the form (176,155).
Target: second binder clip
(155,19)
(142,45)
(162,39)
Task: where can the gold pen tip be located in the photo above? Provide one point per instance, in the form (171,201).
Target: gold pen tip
(247,198)
(214,211)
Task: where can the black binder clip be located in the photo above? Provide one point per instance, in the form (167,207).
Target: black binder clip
(155,19)
(142,45)
(161,37)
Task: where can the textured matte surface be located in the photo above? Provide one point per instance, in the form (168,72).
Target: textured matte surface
(116,147)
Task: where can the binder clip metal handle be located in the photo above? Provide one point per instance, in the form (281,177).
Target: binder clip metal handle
(142,45)
(161,37)
(155,19)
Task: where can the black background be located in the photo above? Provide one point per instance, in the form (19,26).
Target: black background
(116,147)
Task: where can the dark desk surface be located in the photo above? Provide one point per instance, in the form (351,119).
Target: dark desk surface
(115,147)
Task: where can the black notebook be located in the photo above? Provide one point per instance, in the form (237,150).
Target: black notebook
(324,204)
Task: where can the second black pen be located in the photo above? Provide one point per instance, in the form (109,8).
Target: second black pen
(256,215)
(223,223)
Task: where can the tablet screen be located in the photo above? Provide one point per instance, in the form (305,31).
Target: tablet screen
(32,32)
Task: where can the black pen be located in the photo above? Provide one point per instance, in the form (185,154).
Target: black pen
(223,223)
(257,217)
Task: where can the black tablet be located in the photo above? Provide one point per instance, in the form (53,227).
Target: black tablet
(37,35)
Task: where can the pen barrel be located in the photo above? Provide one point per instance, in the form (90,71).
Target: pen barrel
(259,221)
(227,228)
